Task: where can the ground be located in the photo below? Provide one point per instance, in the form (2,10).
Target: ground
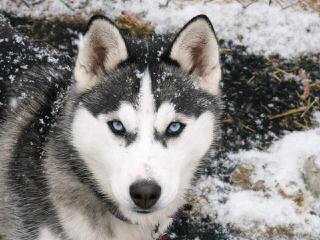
(260,183)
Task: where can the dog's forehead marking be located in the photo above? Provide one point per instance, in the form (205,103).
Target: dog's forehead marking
(146,106)
(146,100)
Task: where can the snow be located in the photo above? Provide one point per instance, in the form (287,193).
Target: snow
(284,159)
(262,28)
(238,209)
(317,161)
(280,189)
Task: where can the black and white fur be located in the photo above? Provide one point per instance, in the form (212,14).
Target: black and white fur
(69,177)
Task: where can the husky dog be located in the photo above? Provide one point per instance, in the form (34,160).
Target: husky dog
(128,136)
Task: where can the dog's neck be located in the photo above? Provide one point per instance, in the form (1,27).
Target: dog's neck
(158,228)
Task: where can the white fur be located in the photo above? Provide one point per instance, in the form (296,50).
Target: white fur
(46,234)
(77,226)
(116,166)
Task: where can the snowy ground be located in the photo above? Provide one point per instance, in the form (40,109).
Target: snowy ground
(269,190)
(262,28)
(274,193)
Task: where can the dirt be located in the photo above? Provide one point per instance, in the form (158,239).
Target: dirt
(256,90)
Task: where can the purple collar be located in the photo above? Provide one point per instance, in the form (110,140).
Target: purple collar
(119,216)
(177,215)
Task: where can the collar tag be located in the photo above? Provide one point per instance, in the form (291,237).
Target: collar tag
(164,237)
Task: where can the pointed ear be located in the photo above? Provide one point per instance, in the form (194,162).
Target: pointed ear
(101,49)
(197,52)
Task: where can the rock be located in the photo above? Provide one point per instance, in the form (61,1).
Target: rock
(311,174)
(241,176)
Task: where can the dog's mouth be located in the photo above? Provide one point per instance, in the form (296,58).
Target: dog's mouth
(143,211)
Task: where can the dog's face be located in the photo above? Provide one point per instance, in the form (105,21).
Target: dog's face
(142,127)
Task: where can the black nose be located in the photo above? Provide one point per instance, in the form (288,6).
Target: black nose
(145,194)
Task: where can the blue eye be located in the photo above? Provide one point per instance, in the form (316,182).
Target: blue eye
(117,127)
(175,128)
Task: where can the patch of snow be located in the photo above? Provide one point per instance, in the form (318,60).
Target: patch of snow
(272,192)
(13,102)
(244,206)
(317,116)
(262,28)
(317,161)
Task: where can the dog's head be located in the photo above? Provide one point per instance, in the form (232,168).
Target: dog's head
(147,114)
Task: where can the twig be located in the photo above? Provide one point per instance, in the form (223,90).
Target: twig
(25,3)
(228,120)
(309,107)
(305,82)
(288,113)
(38,2)
(249,81)
(266,108)
(300,124)
(165,5)
(315,85)
(246,5)
(316,9)
(288,6)
(68,5)
(225,50)
(248,128)
(276,77)
(281,70)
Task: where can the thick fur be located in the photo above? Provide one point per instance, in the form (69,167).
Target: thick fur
(65,175)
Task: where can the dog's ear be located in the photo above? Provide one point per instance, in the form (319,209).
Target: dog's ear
(196,50)
(101,49)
